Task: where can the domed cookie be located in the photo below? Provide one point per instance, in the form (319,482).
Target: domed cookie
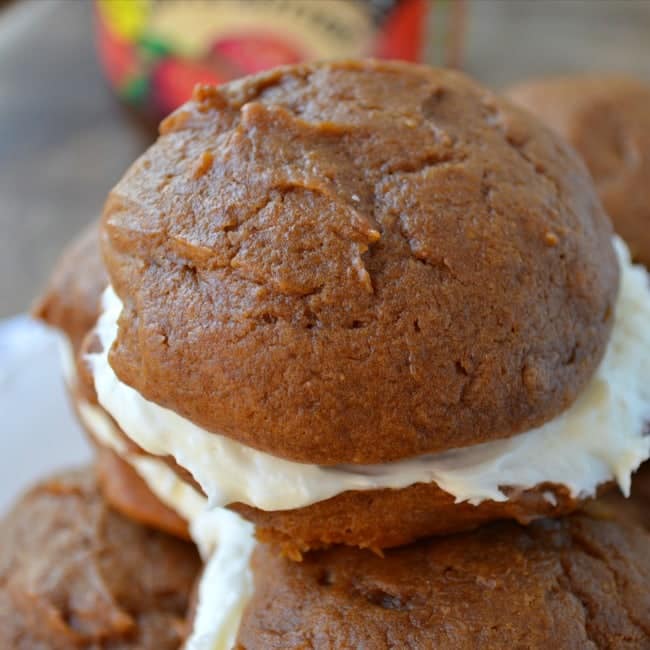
(358,262)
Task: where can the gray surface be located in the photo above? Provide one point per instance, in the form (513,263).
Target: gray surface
(39,433)
(64,142)
(510,40)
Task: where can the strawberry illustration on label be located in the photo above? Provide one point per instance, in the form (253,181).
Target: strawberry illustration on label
(254,52)
(173,80)
(154,51)
(402,34)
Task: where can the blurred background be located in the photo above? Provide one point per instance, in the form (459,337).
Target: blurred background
(65,137)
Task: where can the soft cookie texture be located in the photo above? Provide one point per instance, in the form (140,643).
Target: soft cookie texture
(571,584)
(75,574)
(607,119)
(358,262)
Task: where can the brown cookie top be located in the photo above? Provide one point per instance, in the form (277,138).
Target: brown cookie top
(578,582)
(607,119)
(358,262)
(75,574)
(71,299)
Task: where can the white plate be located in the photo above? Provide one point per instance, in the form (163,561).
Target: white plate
(40,434)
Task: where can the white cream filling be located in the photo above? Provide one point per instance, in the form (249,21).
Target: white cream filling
(227,581)
(225,540)
(599,438)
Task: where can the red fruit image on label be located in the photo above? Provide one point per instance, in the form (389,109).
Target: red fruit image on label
(154,51)
(402,34)
(173,80)
(254,52)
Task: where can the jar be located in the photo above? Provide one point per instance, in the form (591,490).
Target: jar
(153,52)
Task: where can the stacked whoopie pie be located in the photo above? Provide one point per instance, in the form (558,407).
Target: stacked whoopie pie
(356,306)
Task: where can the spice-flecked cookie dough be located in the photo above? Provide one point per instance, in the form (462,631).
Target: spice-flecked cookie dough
(75,574)
(502,293)
(607,119)
(578,582)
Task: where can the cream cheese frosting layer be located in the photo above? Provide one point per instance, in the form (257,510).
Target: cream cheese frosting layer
(225,540)
(226,585)
(597,439)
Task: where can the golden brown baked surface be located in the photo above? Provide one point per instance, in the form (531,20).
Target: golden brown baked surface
(75,574)
(358,262)
(576,583)
(607,119)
